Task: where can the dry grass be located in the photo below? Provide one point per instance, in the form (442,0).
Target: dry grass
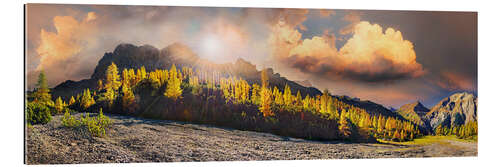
(427,140)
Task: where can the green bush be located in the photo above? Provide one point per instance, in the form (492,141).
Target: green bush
(69,121)
(37,113)
(95,125)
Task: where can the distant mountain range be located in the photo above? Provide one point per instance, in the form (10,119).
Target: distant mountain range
(454,110)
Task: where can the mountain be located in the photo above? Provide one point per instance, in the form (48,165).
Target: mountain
(370,107)
(305,83)
(414,112)
(131,56)
(457,109)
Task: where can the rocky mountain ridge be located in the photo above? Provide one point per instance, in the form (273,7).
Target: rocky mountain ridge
(457,109)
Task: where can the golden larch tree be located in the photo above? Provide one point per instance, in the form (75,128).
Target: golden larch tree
(173,89)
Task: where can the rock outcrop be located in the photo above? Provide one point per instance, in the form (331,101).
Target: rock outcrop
(458,109)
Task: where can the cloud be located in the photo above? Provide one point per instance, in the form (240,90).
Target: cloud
(354,18)
(291,17)
(370,55)
(326,12)
(59,50)
(90,16)
(453,82)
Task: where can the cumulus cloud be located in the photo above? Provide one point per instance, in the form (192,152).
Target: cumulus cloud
(59,50)
(370,55)
(353,18)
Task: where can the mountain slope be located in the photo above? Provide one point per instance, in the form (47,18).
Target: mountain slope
(458,109)
(414,112)
(131,56)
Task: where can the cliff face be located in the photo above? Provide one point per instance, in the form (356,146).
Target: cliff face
(458,109)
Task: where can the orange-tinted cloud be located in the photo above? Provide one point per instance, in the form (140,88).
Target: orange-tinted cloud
(453,81)
(59,50)
(326,12)
(370,55)
(354,18)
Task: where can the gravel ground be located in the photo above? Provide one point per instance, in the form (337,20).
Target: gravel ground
(141,140)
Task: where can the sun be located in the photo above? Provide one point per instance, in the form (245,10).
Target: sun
(211,45)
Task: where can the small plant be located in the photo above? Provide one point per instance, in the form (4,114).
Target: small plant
(69,121)
(95,125)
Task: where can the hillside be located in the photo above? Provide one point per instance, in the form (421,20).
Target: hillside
(215,89)
(415,113)
(134,57)
(132,139)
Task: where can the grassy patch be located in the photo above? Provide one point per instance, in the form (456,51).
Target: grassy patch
(426,140)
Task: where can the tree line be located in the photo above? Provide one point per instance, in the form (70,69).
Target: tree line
(211,97)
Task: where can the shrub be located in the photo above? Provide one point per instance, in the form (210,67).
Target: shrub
(37,113)
(69,121)
(95,125)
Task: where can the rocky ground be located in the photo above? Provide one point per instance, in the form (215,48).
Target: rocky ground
(141,140)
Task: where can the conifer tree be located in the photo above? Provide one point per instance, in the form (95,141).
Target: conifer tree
(255,93)
(112,77)
(125,77)
(99,85)
(306,102)
(128,97)
(287,96)
(143,73)
(344,128)
(298,98)
(71,101)
(265,102)
(396,135)
(173,89)
(42,93)
(265,96)
(86,100)
(264,80)
(59,105)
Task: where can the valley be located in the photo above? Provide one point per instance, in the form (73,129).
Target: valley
(132,139)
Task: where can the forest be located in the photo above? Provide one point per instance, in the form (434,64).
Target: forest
(213,98)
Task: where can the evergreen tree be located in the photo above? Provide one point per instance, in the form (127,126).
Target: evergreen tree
(42,93)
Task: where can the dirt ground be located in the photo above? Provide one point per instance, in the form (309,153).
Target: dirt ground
(142,140)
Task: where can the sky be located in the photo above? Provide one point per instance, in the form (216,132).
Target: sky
(389,57)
